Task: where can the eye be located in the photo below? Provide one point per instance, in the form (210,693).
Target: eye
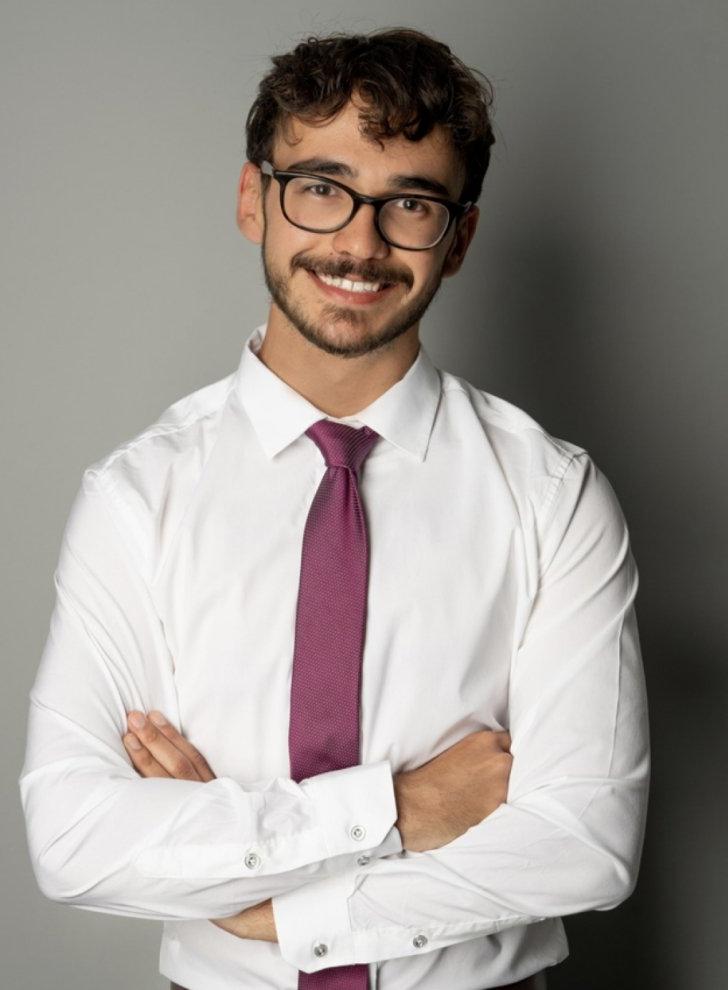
(323,189)
(413,205)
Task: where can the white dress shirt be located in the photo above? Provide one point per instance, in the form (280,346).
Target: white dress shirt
(501,596)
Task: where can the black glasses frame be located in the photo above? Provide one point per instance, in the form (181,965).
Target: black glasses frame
(283,176)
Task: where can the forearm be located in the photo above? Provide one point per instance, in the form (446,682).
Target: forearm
(568,848)
(101,837)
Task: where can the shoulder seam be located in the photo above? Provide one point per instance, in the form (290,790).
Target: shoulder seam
(95,483)
(557,480)
(458,384)
(150,433)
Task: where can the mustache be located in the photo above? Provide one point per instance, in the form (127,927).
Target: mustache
(346,270)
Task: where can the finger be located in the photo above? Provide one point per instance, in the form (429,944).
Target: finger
(195,757)
(143,761)
(171,750)
(162,750)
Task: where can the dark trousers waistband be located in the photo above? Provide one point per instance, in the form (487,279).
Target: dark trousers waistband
(535,982)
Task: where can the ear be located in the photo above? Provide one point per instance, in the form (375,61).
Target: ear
(249,211)
(464,233)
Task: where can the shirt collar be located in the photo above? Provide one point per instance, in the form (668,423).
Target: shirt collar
(403,415)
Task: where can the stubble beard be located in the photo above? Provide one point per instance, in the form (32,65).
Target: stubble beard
(332,315)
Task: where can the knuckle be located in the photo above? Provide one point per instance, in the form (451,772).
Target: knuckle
(182,769)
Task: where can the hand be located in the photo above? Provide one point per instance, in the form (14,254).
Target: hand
(455,790)
(157,750)
(254,922)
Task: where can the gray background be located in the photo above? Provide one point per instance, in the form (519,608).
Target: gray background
(594,297)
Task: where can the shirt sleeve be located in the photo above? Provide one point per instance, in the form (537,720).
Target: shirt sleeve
(569,837)
(103,838)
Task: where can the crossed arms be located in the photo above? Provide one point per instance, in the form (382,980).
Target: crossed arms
(568,838)
(436,803)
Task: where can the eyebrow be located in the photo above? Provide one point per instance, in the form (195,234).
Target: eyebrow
(328,166)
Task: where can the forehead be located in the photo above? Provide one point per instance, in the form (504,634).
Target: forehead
(340,139)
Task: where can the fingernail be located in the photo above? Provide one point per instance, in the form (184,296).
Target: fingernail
(132,741)
(158,718)
(137,720)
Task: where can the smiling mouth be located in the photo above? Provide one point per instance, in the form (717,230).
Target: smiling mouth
(353,290)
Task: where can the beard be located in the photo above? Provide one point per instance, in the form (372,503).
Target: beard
(316,330)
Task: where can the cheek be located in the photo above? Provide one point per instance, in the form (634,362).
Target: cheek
(281,245)
(288,247)
(426,273)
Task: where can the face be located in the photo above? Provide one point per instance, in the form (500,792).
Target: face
(336,321)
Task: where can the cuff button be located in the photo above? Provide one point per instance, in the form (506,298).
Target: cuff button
(357,832)
(252,860)
(363,859)
(419,940)
(320,949)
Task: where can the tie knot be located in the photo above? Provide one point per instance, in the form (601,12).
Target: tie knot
(342,445)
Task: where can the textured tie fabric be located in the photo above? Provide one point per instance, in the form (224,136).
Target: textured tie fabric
(330,626)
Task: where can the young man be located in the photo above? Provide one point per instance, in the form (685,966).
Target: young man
(392,612)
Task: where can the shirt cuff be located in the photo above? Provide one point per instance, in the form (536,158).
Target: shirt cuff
(392,844)
(356,809)
(348,814)
(312,923)
(314,928)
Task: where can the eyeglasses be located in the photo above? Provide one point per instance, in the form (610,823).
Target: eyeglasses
(413,222)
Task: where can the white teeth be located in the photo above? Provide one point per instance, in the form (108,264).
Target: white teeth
(345,283)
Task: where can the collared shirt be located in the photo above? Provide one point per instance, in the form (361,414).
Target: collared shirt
(501,596)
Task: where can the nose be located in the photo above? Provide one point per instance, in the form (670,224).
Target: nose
(360,237)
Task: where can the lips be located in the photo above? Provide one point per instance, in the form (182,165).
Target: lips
(358,298)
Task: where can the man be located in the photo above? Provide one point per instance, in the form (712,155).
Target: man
(393,613)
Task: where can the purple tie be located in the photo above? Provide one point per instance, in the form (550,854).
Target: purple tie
(330,624)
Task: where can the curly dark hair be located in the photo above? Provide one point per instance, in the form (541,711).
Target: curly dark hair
(408,81)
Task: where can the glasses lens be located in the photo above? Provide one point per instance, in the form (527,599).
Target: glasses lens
(413,223)
(316,204)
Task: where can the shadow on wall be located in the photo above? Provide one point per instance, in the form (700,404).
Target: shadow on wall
(556,326)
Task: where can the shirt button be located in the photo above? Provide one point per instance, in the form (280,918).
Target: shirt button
(357,832)
(418,941)
(363,859)
(252,860)
(320,949)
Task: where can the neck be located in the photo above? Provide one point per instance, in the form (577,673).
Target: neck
(338,386)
